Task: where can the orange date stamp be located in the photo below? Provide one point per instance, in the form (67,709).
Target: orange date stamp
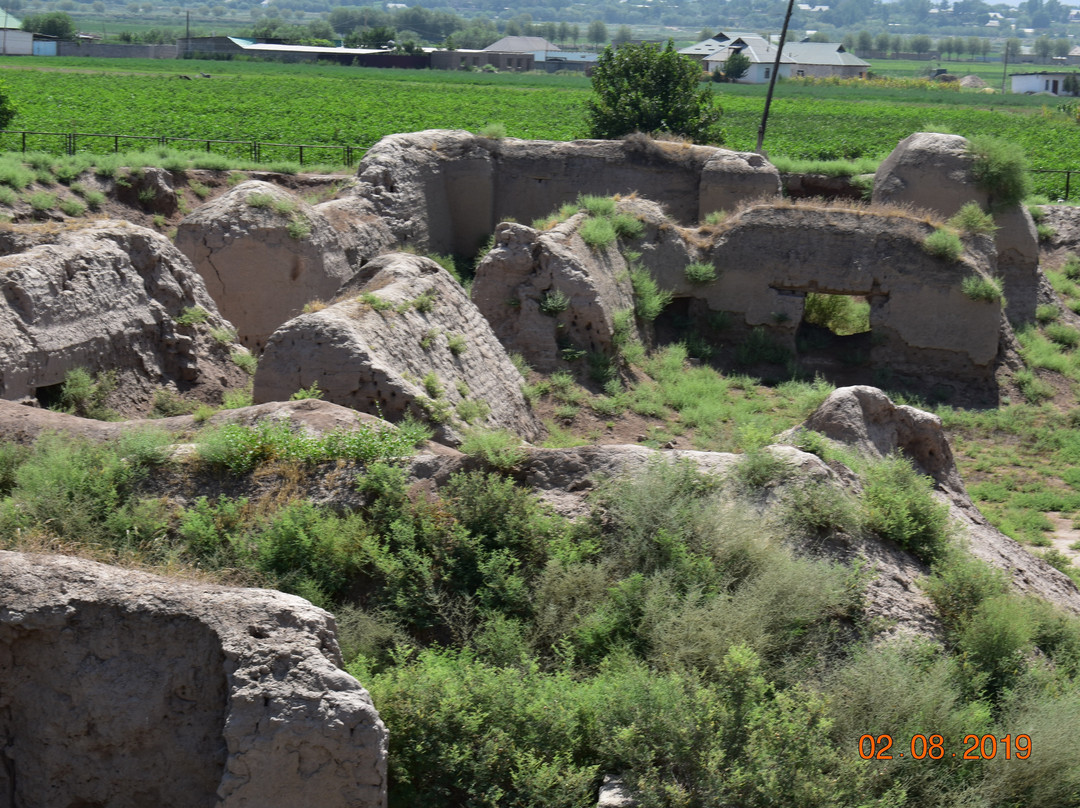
(920,747)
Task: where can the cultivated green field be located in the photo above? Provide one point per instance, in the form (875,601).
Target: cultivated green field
(354,106)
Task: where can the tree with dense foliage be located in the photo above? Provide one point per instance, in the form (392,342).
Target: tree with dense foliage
(736,66)
(56,23)
(641,88)
(920,44)
(622,36)
(597,32)
(7,106)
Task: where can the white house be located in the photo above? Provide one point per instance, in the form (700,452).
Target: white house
(799,59)
(13,40)
(761,53)
(1051,82)
(824,59)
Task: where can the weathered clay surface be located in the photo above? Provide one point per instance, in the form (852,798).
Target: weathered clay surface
(151,189)
(934,172)
(916,299)
(376,361)
(866,419)
(930,171)
(362,233)
(525,267)
(106,297)
(259,274)
(23,424)
(126,689)
(445,190)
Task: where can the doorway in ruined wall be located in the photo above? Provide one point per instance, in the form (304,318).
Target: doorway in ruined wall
(834,338)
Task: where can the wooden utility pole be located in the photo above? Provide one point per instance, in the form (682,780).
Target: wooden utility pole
(772,78)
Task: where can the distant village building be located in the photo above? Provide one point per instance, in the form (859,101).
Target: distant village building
(1051,82)
(13,40)
(799,59)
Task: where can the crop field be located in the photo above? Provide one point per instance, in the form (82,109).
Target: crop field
(356,107)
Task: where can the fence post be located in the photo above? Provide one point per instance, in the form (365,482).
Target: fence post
(71,144)
(24,142)
(301,155)
(1068,176)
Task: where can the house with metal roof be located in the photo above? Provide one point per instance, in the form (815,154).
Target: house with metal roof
(799,59)
(758,50)
(825,59)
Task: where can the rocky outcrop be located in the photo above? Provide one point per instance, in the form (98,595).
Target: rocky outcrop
(930,171)
(445,190)
(107,297)
(547,291)
(917,303)
(263,254)
(150,189)
(126,689)
(361,232)
(935,172)
(403,338)
(868,421)
(23,424)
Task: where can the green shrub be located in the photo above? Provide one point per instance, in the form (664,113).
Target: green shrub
(598,206)
(223,336)
(597,233)
(192,315)
(299,227)
(82,492)
(94,199)
(627,226)
(283,206)
(497,447)
(982,288)
(972,221)
(1032,388)
(42,201)
(376,302)
(1000,169)
(261,200)
(900,507)
(471,411)
(202,191)
(456,344)
(944,244)
(820,509)
(72,207)
(1071,267)
(959,583)
(841,314)
(241,448)
(235,399)
(307,393)
(85,395)
(700,273)
(1045,232)
(759,468)
(760,348)
(168,403)
(245,361)
(649,298)
(432,386)
(1047,313)
(553,302)
(1063,334)
(493,131)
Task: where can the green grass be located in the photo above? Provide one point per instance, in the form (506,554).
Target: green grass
(314,104)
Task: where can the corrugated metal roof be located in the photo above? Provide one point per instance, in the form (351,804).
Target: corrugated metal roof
(822,53)
(521,44)
(7,21)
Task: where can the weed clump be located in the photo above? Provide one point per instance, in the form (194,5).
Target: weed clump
(944,244)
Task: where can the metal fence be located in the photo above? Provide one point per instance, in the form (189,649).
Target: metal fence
(256,151)
(1068,172)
